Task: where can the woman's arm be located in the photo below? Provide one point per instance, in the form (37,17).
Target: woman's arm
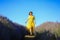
(27,20)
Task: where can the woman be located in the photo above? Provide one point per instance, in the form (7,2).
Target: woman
(30,23)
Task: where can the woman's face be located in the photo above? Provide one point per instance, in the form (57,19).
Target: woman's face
(30,13)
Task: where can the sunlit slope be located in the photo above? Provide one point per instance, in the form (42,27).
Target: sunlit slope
(53,27)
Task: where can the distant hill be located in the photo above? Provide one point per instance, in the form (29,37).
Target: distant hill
(10,30)
(53,27)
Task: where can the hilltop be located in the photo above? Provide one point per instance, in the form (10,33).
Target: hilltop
(48,26)
(49,31)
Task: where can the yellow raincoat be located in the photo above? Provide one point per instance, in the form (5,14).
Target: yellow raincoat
(30,22)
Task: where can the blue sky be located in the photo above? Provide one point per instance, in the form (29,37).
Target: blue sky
(43,10)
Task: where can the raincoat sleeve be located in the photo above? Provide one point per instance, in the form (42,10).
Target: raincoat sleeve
(27,19)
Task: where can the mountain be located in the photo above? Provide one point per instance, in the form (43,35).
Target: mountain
(10,30)
(53,27)
(13,31)
(48,31)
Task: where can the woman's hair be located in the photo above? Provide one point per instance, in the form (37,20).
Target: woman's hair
(31,12)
